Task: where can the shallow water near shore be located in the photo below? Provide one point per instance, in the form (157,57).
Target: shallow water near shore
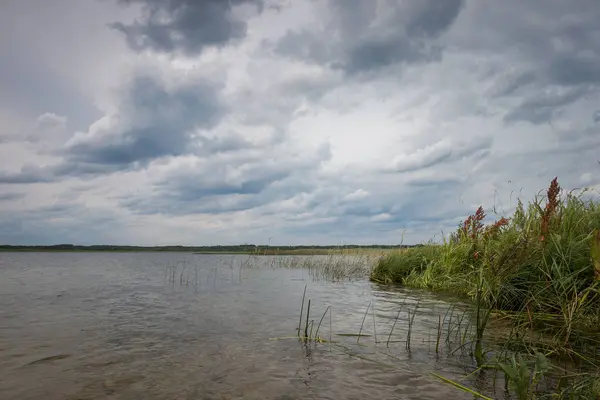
(121,326)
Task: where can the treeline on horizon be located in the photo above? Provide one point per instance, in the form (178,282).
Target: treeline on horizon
(244,248)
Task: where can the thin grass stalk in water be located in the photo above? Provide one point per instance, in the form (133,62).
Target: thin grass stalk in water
(307,316)
(450,326)
(410,325)
(464,337)
(321,320)
(393,325)
(458,329)
(374,324)
(301,311)
(446,314)
(363,321)
(439,334)
(408,334)
(330,328)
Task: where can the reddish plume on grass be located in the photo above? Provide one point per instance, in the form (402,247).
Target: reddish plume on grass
(491,231)
(552,204)
(473,225)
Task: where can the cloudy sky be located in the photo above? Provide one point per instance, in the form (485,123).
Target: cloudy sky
(305,121)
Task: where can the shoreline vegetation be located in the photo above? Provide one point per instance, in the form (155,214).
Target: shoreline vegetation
(534,280)
(250,249)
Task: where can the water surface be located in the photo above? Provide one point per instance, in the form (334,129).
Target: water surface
(128,326)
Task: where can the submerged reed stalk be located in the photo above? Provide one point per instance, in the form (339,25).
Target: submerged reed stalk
(411,319)
(301,312)
(321,320)
(411,324)
(393,325)
(439,335)
(307,317)
(407,345)
(374,324)
(363,322)
(330,329)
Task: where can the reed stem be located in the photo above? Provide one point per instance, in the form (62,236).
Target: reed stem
(363,321)
(301,311)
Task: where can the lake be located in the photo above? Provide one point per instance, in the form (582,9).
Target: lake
(186,326)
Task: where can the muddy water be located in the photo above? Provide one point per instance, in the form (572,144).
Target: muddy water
(121,326)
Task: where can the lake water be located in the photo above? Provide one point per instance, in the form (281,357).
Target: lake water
(128,326)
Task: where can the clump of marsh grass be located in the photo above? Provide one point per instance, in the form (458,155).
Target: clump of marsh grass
(541,267)
(396,266)
(307,336)
(534,277)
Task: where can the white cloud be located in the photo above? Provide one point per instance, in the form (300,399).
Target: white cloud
(357,195)
(423,157)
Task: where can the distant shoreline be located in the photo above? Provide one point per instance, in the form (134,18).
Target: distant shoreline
(237,249)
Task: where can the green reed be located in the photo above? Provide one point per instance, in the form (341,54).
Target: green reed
(534,278)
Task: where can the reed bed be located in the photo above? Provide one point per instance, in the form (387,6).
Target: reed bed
(187,274)
(334,266)
(325,251)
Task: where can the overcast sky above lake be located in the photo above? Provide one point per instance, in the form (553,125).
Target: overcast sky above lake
(305,121)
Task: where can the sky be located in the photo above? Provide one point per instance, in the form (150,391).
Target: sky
(205,122)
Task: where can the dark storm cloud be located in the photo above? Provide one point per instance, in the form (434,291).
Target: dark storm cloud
(225,185)
(229,142)
(11,196)
(59,223)
(153,121)
(184,25)
(555,48)
(160,124)
(186,194)
(28,174)
(511,84)
(431,18)
(366,35)
(172,205)
(191,187)
(540,108)
(216,198)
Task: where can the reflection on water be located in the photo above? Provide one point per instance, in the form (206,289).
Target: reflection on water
(118,326)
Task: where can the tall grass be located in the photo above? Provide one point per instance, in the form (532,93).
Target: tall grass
(535,274)
(543,264)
